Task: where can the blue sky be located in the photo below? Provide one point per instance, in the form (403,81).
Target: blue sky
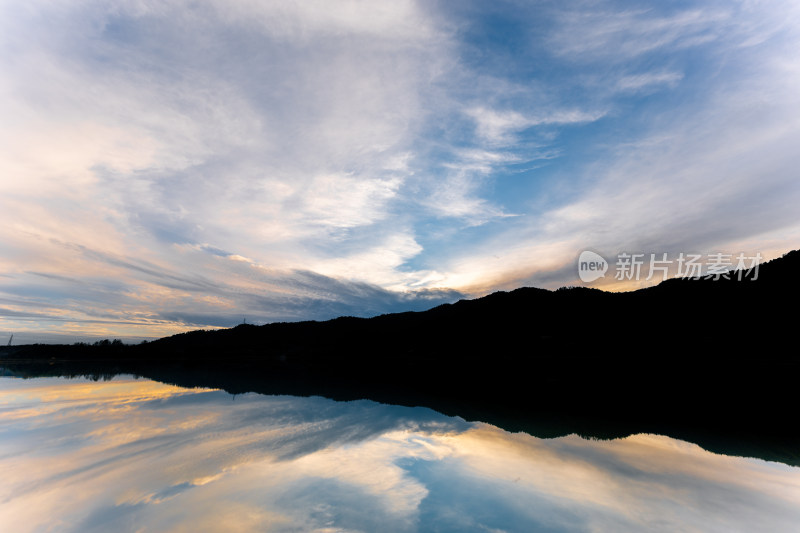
(167,166)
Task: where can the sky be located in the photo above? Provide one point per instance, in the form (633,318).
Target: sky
(169,166)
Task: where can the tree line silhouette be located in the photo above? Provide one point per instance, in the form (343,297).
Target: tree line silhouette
(693,358)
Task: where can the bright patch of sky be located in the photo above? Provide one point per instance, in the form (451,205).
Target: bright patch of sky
(175,165)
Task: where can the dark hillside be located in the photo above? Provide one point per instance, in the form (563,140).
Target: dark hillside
(691,358)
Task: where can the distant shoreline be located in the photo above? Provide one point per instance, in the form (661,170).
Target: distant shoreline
(700,360)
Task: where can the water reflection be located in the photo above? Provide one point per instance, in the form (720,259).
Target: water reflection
(135,455)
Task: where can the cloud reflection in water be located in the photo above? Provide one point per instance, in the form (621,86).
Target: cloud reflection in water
(134,455)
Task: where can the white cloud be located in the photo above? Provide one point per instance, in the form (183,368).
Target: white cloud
(591,31)
(343,201)
(262,129)
(498,127)
(252,143)
(458,196)
(377,264)
(718,174)
(648,81)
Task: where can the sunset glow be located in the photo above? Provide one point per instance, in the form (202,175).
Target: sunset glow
(182,165)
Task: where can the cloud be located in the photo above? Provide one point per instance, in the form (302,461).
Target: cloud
(496,128)
(343,201)
(137,296)
(701,175)
(258,136)
(204,160)
(622,34)
(648,81)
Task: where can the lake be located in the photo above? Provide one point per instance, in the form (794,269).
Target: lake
(132,454)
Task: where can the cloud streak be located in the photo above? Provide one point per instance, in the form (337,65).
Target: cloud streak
(161,164)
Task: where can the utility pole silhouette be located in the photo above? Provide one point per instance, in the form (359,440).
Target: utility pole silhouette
(11,339)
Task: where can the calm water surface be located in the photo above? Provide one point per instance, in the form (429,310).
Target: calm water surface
(136,455)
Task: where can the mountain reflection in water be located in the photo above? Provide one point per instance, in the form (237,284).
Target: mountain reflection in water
(136,455)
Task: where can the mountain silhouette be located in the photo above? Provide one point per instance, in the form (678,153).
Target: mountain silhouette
(709,361)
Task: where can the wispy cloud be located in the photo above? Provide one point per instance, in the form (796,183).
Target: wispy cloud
(648,81)
(208,160)
(497,127)
(591,30)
